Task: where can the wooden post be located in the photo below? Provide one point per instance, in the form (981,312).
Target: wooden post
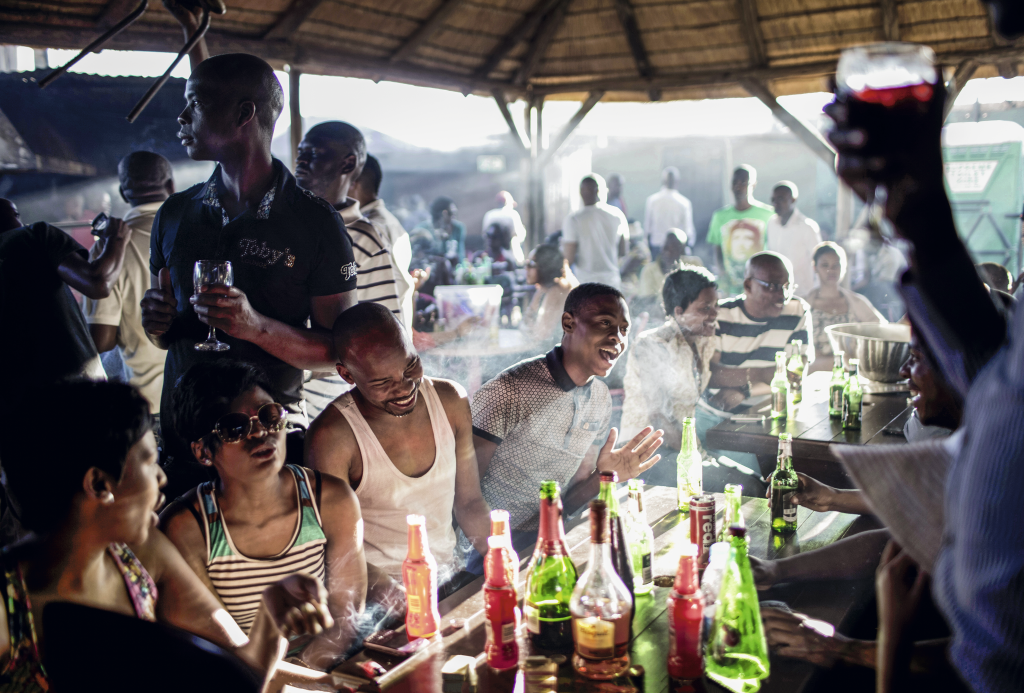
(295,112)
(537,192)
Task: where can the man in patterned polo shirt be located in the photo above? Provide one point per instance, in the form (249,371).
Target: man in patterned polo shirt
(547,417)
(292,259)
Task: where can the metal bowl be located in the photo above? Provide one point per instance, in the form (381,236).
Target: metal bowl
(882,349)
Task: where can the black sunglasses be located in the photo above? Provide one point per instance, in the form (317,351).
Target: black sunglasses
(236,426)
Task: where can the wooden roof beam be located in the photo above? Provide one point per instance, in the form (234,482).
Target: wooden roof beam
(541,41)
(751,25)
(499,98)
(627,18)
(890,20)
(806,134)
(964,71)
(526,27)
(291,19)
(426,30)
(585,108)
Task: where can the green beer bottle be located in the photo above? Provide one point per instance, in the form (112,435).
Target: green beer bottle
(795,367)
(732,515)
(550,578)
(836,386)
(853,396)
(780,387)
(622,557)
(784,485)
(641,539)
(737,653)
(689,467)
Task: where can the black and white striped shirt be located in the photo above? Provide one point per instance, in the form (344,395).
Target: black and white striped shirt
(375,279)
(747,342)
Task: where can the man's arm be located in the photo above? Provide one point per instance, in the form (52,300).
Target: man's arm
(189,19)
(159,308)
(569,251)
(736,377)
(330,445)
(623,247)
(95,279)
(228,309)
(484,452)
(103,336)
(471,510)
(852,557)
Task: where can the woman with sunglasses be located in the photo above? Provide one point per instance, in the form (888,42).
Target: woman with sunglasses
(87,484)
(262,519)
(832,304)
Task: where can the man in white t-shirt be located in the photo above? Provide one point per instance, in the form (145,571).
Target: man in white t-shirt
(116,321)
(507,216)
(667,209)
(792,234)
(595,236)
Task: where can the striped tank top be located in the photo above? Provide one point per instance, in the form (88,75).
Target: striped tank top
(240,580)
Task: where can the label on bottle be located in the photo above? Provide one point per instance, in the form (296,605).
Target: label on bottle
(837,398)
(595,638)
(532,618)
(779,401)
(508,632)
(788,509)
(414,602)
(647,571)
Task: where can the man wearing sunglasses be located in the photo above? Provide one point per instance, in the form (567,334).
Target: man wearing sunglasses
(752,327)
(403,441)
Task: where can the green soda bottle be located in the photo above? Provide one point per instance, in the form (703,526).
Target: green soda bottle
(780,387)
(689,467)
(641,539)
(732,515)
(550,578)
(737,653)
(836,386)
(795,367)
(853,396)
(784,485)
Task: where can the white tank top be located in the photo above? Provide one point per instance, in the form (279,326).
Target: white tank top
(386,495)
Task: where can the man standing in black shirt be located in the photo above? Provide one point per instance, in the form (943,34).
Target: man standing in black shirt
(291,256)
(38,264)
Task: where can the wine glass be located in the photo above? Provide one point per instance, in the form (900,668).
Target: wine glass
(207,273)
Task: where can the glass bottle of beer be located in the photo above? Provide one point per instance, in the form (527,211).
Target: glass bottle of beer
(780,387)
(685,620)
(795,369)
(737,653)
(641,540)
(836,386)
(419,575)
(500,528)
(732,514)
(689,467)
(784,485)
(853,396)
(550,577)
(622,557)
(601,607)
(501,613)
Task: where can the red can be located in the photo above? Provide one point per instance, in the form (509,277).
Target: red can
(702,526)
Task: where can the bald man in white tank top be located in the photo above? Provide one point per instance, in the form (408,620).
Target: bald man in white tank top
(402,440)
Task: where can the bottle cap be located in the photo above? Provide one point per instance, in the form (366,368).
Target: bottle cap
(785,436)
(609,476)
(499,522)
(737,531)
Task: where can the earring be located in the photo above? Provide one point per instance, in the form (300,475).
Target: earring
(207,461)
(106,498)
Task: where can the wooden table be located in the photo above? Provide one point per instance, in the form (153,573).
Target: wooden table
(814,431)
(837,602)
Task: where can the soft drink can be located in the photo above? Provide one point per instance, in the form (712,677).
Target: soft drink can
(702,526)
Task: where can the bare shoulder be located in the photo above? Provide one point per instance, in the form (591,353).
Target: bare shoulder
(329,437)
(337,495)
(160,551)
(450,392)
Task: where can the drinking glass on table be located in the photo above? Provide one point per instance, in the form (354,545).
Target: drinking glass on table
(209,273)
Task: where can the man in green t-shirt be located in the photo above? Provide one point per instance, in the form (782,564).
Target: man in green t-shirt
(738,231)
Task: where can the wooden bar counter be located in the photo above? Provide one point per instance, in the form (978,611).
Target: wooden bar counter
(836,602)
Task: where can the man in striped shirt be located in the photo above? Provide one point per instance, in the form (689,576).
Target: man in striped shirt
(331,157)
(755,325)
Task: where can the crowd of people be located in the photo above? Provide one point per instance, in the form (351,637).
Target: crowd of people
(284,536)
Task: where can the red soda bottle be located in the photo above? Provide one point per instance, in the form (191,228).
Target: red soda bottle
(500,610)
(686,620)
(419,574)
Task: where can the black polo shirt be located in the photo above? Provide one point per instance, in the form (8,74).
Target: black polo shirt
(290,249)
